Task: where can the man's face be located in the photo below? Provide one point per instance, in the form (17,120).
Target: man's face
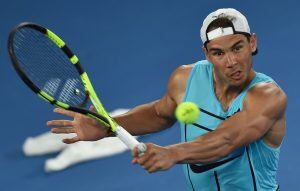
(231,56)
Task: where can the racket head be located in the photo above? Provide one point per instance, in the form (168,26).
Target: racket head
(49,68)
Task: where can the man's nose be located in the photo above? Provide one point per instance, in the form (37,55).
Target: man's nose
(231,59)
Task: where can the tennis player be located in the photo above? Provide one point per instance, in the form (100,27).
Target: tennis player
(235,143)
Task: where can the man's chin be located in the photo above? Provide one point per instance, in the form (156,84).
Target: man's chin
(236,83)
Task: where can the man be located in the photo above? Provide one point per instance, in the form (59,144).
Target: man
(234,144)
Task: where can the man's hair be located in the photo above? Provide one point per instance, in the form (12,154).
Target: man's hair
(225,22)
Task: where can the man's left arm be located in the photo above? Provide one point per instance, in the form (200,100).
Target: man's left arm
(263,106)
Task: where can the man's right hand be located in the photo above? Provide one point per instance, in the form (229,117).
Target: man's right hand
(86,128)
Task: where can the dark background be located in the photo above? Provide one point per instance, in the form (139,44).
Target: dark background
(129,49)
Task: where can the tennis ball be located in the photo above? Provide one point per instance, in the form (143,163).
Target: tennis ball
(187,112)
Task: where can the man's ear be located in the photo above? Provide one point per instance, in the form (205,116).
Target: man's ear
(206,53)
(253,42)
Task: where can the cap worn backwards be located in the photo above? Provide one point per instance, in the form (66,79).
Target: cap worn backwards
(239,24)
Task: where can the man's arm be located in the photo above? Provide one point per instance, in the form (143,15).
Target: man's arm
(264,106)
(158,115)
(148,118)
(151,117)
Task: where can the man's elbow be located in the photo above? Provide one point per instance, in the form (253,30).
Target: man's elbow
(229,144)
(229,147)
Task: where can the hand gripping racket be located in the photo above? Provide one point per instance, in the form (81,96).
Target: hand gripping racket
(50,69)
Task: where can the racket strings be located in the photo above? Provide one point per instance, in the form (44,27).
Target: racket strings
(37,57)
(41,55)
(47,66)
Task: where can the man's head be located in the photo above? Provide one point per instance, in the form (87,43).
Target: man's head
(229,45)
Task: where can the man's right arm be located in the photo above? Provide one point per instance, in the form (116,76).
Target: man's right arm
(158,115)
(143,119)
(148,118)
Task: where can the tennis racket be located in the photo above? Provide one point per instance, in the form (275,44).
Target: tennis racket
(50,69)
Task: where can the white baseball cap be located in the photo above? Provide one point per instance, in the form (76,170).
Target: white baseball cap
(239,22)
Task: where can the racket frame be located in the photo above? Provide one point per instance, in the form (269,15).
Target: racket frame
(101,116)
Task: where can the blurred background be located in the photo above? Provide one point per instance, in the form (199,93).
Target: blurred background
(129,49)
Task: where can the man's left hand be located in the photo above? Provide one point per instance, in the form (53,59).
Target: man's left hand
(156,158)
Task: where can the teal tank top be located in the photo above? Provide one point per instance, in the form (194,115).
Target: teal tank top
(248,168)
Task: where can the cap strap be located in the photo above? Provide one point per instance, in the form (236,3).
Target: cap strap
(219,32)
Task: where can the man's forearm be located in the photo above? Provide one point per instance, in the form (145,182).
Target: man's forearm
(206,149)
(144,119)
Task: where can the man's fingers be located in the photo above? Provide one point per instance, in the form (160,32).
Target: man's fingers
(71,140)
(65,112)
(62,123)
(134,152)
(63,130)
(153,169)
(139,150)
(134,161)
(92,108)
(145,159)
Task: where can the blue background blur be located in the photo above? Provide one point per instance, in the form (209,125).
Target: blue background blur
(129,49)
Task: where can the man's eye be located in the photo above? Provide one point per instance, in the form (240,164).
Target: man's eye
(237,48)
(218,53)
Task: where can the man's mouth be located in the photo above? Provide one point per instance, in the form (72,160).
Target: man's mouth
(236,75)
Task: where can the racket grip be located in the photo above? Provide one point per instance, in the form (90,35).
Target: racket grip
(129,140)
(141,149)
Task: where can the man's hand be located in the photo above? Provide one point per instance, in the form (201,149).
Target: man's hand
(86,128)
(156,158)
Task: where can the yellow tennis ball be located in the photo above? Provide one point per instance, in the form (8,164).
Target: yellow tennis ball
(187,112)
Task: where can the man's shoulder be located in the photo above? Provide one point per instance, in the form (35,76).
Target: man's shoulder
(266,89)
(179,78)
(264,77)
(185,70)
(267,92)
(263,85)
(178,81)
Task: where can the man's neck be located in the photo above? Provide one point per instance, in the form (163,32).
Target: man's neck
(226,93)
